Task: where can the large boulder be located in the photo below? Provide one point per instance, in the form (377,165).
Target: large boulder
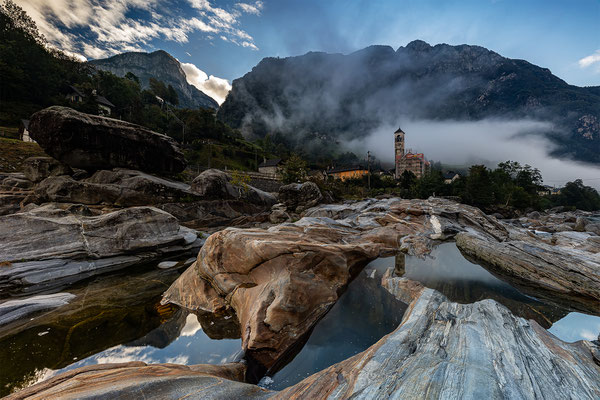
(51,247)
(298,197)
(37,169)
(92,142)
(217,185)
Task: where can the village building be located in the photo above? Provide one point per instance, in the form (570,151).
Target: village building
(344,173)
(24,131)
(270,167)
(450,177)
(408,161)
(105,107)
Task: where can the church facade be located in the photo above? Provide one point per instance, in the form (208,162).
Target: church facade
(408,161)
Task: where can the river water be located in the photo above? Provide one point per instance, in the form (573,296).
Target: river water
(118,318)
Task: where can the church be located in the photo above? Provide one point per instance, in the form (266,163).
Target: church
(408,161)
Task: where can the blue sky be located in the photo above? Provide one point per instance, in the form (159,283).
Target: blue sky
(225,39)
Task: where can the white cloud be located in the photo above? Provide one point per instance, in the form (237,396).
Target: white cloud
(480,142)
(100,29)
(192,325)
(217,88)
(590,60)
(251,8)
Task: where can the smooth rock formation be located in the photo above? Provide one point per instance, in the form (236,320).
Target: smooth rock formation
(92,142)
(445,350)
(52,246)
(135,380)
(37,169)
(281,280)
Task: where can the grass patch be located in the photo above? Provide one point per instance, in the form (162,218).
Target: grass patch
(13,152)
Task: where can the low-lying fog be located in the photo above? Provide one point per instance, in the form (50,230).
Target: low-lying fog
(480,142)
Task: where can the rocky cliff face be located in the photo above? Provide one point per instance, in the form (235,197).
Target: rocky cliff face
(345,97)
(159,65)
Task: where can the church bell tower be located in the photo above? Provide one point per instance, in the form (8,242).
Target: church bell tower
(399,150)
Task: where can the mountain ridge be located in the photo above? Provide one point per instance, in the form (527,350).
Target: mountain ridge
(345,96)
(159,65)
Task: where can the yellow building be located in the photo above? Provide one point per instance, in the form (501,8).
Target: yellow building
(344,173)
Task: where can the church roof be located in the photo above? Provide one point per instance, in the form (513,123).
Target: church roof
(399,130)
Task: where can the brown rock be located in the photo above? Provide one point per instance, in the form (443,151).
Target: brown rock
(39,168)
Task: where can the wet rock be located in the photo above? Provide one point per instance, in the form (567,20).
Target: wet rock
(52,246)
(152,381)
(501,356)
(92,142)
(39,168)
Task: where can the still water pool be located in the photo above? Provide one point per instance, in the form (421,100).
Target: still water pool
(118,318)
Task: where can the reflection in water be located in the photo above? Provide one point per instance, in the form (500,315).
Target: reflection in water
(190,345)
(447,271)
(117,318)
(364,314)
(112,318)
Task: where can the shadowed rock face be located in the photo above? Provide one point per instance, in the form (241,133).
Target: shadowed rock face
(91,142)
(446,350)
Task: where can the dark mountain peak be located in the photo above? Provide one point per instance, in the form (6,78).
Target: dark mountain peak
(418,46)
(158,65)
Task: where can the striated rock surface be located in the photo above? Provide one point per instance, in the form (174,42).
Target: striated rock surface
(445,350)
(14,188)
(49,246)
(92,142)
(135,380)
(565,267)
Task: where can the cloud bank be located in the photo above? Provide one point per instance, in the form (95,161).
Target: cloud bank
(217,88)
(480,142)
(97,29)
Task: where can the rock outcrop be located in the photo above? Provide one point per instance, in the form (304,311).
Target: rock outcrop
(92,142)
(214,184)
(118,187)
(49,246)
(14,188)
(153,381)
(298,197)
(446,350)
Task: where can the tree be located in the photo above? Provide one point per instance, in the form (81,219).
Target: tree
(576,194)
(294,170)
(172,96)
(478,189)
